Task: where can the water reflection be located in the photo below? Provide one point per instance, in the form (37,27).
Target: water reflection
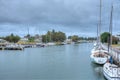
(98,71)
(67,62)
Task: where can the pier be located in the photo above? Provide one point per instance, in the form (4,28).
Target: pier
(10,46)
(114,52)
(1,48)
(14,47)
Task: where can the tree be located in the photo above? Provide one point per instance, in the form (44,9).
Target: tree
(49,36)
(12,38)
(69,37)
(44,38)
(58,37)
(16,38)
(75,38)
(1,37)
(54,36)
(105,38)
(115,40)
(28,36)
(31,39)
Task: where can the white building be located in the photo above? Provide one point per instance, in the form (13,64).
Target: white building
(38,38)
(24,39)
(3,41)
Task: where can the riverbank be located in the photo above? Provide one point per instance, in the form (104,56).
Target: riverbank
(116,46)
(21,45)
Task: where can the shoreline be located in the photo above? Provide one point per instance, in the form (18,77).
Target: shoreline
(116,46)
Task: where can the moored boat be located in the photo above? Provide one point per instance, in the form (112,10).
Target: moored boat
(99,56)
(111,71)
(14,47)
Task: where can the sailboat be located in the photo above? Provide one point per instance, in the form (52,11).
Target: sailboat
(96,43)
(111,71)
(98,54)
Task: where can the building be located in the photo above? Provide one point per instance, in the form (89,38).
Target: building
(38,38)
(3,42)
(118,36)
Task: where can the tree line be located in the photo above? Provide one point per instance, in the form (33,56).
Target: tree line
(58,36)
(53,36)
(76,38)
(106,38)
(12,38)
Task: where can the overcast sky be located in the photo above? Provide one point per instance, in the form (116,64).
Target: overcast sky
(70,16)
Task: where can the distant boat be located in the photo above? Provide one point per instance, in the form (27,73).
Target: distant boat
(110,70)
(62,43)
(98,54)
(14,47)
(51,44)
(78,42)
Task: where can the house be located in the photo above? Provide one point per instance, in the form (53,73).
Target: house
(3,41)
(68,41)
(24,39)
(38,38)
(118,36)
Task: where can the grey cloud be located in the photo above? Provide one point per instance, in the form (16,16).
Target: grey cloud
(78,15)
(52,11)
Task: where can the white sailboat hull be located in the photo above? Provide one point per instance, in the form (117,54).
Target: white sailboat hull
(110,78)
(94,51)
(98,60)
(111,73)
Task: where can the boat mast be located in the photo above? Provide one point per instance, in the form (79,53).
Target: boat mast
(97,34)
(111,26)
(28,30)
(99,26)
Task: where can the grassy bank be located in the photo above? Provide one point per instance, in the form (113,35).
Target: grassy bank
(116,45)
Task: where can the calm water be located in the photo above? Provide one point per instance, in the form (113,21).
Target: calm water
(68,62)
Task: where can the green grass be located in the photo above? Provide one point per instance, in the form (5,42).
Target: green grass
(116,45)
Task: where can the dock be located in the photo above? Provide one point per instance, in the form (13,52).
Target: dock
(114,52)
(1,48)
(14,47)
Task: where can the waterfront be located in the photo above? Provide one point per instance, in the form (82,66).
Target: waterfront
(66,62)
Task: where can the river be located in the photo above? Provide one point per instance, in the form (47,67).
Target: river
(66,62)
